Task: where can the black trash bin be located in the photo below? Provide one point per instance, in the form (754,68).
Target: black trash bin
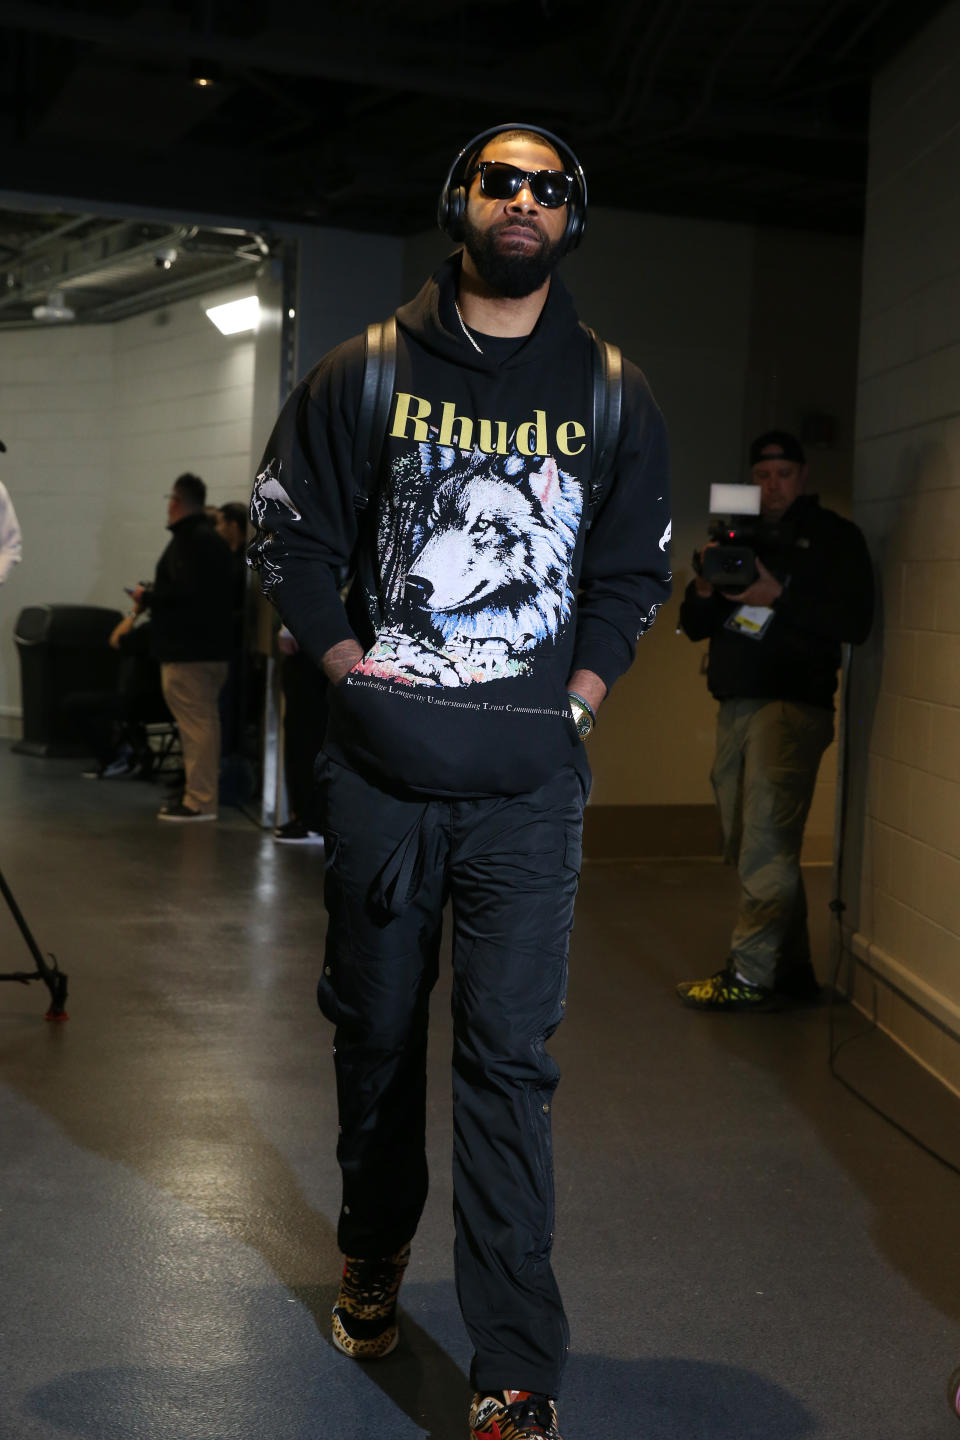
(62,648)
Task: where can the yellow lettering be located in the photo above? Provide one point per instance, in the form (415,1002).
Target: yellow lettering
(525,442)
(569,431)
(446,427)
(405,412)
(410,423)
(487,444)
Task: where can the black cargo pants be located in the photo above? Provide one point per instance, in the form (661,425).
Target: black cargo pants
(509,866)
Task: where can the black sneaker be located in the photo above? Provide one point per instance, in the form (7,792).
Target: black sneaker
(110,769)
(726,991)
(365,1315)
(513,1415)
(181,814)
(296,832)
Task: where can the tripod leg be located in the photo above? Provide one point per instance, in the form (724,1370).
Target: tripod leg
(51,975)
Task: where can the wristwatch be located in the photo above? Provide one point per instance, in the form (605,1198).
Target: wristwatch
(584,718)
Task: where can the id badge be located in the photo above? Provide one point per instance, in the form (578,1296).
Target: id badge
(750,620)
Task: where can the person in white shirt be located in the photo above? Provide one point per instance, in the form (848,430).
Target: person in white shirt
(9,534)
(10,547)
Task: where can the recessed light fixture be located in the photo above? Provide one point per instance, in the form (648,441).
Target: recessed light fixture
(204,73)
(236,315)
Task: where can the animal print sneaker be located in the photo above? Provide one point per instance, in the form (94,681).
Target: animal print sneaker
(513,1415)
(365,1315)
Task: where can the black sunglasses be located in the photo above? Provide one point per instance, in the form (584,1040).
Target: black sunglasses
(499,181)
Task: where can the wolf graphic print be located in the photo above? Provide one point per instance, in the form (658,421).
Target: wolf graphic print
(475,552)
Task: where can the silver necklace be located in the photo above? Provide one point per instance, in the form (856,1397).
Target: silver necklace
(463,327)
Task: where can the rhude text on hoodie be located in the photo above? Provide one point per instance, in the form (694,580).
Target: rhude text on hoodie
(477,586)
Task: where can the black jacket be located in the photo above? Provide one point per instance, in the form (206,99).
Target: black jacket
(478,588)
(824,564)
(191,602)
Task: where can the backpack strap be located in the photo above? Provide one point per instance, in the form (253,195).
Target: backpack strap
(379,375)
(607,407)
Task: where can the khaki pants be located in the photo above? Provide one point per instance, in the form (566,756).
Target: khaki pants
(191,690)
(768,754)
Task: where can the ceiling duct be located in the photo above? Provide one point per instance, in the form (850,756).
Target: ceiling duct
(114,269)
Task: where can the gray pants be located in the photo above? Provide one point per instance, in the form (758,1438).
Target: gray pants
(768,754)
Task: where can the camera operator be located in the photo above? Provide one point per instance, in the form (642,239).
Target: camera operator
(773,660)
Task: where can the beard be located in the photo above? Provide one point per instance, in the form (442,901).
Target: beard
(508,272)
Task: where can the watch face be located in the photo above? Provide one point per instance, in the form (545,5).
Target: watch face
(582,722)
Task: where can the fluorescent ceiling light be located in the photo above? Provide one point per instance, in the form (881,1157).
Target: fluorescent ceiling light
(235,316)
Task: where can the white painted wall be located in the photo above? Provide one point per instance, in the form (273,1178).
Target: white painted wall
(98,420)
(904,864)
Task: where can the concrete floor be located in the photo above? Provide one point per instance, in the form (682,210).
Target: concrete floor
(746,1251)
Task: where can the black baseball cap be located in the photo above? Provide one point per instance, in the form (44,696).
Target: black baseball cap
(777,445)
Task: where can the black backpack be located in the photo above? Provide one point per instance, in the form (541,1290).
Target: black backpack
(379,374)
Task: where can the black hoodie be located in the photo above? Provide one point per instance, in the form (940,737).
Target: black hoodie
(191,599)
(827,601)
(477,588)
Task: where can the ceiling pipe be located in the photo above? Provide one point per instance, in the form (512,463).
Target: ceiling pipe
(354,66)
(803,46)
(78,264)
(55,234)
(866,24)
(628,104)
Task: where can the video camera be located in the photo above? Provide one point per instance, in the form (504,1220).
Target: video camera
(730,563)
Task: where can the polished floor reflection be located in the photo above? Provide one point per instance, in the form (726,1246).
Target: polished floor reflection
(746,1251)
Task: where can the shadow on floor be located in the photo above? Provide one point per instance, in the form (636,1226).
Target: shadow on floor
(686,911)
(667,1399)
(914,1204)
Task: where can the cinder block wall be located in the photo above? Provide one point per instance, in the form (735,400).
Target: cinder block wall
(98,420)
(903,861)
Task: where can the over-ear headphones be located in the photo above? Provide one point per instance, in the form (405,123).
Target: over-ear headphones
(452,205)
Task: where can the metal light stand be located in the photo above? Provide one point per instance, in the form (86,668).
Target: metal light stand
(50,973)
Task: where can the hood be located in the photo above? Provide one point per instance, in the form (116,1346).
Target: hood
(430,318)
(797,512)
(189,522)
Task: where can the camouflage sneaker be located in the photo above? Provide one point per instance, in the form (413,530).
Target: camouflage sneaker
(365,1315)
(513,1415)
(726,991)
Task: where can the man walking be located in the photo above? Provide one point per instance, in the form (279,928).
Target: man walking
(773,661)
(493,605)
(191,604)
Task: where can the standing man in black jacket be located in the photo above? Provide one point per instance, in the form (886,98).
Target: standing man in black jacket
(773,660)
(489,614)
(191,603)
